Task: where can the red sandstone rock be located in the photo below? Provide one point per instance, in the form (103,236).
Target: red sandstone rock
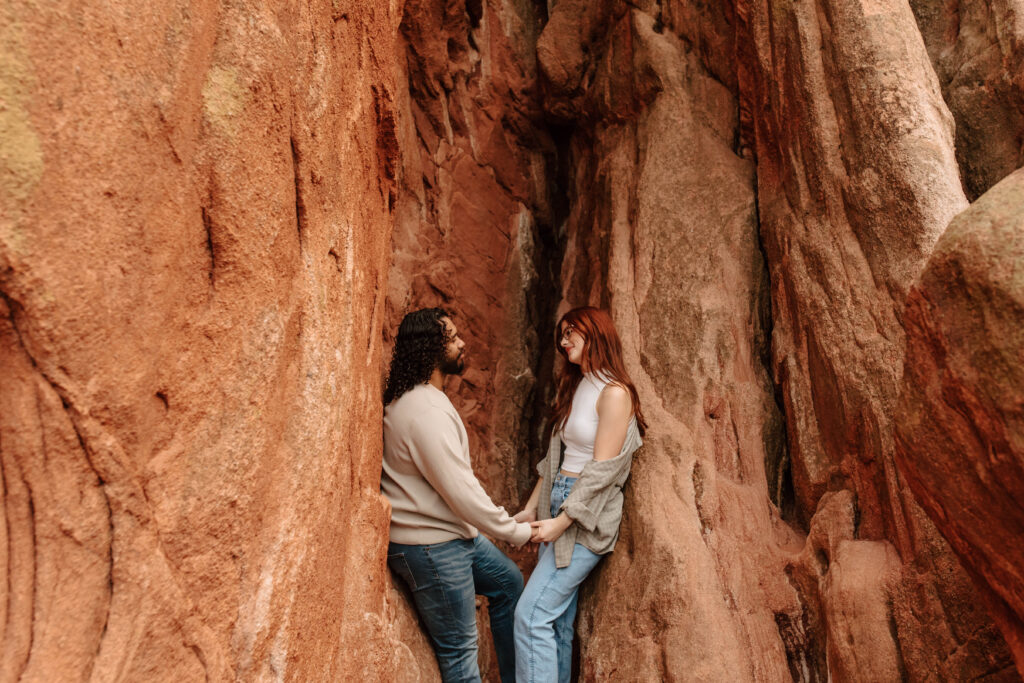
(961,422)
(856,180)
(663,214)
(196,214)
(194,234)
(978,52)
(709,582)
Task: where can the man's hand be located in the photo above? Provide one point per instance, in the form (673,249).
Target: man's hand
(527,514)
(548,530)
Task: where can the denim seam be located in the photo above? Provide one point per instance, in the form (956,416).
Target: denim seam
(533,612)
(408,570)
(505,586)
(449,615)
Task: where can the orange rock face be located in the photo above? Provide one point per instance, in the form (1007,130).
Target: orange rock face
(977,49)
(856,181)
(194,243)
(961,435)
(472,218)
(753,552)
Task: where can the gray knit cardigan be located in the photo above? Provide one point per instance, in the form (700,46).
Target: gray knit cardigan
(595,503)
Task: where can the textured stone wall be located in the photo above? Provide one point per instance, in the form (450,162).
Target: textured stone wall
(977,49)
(194,243)
(474,211)
(824,156)
(960,440)
(472,217)
(857,178)
(663,215)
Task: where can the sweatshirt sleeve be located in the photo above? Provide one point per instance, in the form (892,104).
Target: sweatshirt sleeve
(438,455)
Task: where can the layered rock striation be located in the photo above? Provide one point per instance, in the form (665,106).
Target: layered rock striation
(977,49)
(824,155)
(472,220)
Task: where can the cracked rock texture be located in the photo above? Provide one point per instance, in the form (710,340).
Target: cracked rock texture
(754,226)
(213,216)
(977,49)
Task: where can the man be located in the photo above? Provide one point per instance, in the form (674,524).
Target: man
(437,504)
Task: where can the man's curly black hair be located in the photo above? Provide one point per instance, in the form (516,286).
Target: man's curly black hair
(419,348)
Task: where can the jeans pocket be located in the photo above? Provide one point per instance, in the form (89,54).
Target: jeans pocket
(400,566)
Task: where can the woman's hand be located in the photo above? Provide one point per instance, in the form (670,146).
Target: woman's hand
(527,514)
(548,530)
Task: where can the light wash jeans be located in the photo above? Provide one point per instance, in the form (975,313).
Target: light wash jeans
(444,579)
(547,608)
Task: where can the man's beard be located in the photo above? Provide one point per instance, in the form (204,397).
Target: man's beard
(454,366)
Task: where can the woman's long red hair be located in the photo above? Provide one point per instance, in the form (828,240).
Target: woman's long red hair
(602,351)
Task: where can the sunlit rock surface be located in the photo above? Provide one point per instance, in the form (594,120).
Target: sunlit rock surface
(194,238)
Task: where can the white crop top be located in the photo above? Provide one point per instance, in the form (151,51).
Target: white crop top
(580,430)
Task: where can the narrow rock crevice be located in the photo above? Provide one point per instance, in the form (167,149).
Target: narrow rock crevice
(210,249)
(300,202)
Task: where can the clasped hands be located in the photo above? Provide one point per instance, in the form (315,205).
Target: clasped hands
(545,530)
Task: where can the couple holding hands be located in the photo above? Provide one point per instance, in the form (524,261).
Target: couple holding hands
(438,505)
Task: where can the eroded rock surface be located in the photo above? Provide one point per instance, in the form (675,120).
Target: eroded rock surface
(978,52)
(472,217)
(855,178)
(961,435)
(653,233)
(194,236)
(856,181)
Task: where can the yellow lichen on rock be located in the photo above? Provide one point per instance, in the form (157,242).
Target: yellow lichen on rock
(224,99)
(21,153)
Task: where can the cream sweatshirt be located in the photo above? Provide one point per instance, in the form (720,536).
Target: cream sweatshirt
(428,479)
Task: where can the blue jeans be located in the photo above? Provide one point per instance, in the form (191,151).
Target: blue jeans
(547,608)
(444,579)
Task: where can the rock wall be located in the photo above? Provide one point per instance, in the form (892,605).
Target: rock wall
(856,180)
(473,215)
(960,440)
(977,49)
(748,548)
(474,212)
(193,252)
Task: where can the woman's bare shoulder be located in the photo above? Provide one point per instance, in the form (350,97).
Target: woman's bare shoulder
(614,398)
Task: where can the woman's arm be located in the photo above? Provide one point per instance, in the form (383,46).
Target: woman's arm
(529,512)
(614,409)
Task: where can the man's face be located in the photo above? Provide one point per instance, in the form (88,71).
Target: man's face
(454,358)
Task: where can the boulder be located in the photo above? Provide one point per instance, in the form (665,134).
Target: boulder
(960,434)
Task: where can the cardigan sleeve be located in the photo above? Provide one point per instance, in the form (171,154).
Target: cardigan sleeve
(542,466)
(597,484)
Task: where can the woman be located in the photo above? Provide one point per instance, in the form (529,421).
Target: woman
(576,506)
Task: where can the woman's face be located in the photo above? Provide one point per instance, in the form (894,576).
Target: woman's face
(572,342)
